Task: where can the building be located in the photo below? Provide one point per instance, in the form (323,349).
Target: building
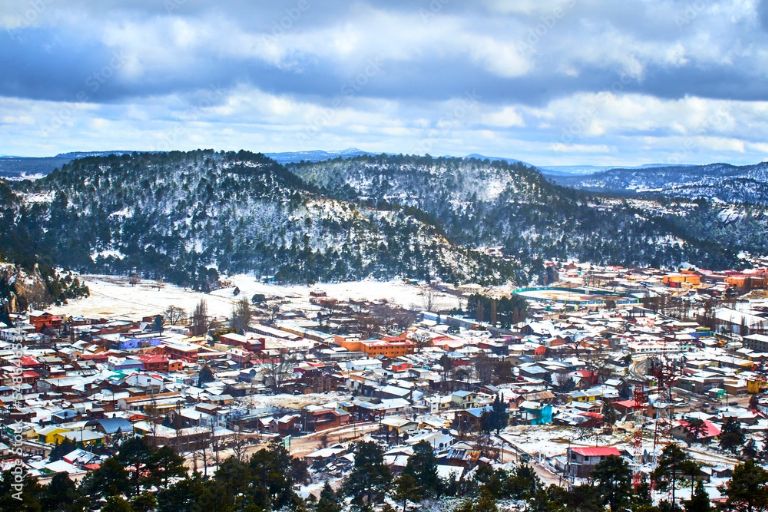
(44,320)
(535,413)
(756,342)
(583,459)
(374,348)
(315,419)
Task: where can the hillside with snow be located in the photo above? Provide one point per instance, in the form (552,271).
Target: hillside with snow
(725,182)
(481,203)
(189,216)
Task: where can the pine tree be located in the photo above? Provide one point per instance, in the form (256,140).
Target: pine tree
(732,436)
(609,413)
(165,464)
(747,490)
(750,450)
(136,455)
(367,483)
(497,418)
(422,465)
(695,429)
(62,495)
(673,465)
(117,504)
(328,501)
(613,480)
(699,501)
(407,489)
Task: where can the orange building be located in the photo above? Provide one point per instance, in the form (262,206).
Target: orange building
(746,281)
(678,280)
(373,348)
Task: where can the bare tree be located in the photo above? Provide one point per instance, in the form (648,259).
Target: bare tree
(214,443)
(241,315)
(484,367)
(428,295)
(278,368)
(238,444)
(274,310)
(390,318)
(200,319)
(174,314)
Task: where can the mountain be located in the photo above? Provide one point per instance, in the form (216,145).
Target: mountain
(12,167)
(586,170)
(572,170)
(293,157)
(23,167)
(480,203)
(187,216)
(728,183)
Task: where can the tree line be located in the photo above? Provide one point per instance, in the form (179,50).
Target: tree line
(143,478)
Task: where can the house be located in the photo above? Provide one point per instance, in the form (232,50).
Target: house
(82,437)
(112,426)
(535,413)
(399,425)
(681,430)
(317,418)
(438,403)
(583,459)
(756,342)
(471,420)
(464,399)
(154,362)
(44,320)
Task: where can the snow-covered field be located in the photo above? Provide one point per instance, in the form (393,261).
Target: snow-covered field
(113,296)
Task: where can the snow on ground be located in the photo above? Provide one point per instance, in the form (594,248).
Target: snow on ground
(114,297)
(288,401)
(552,440)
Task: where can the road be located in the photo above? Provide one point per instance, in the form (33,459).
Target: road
(299,446)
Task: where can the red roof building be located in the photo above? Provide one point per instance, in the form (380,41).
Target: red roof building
(596,451)
(583,459)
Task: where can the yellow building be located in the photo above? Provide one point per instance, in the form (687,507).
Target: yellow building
(682,279)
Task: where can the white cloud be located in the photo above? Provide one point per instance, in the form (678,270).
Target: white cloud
(559,147)
(506,117)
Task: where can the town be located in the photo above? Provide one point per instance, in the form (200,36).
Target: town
(601,364)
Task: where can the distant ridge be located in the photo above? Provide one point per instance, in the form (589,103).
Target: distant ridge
(317,155)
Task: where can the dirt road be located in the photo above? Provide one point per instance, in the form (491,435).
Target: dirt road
(299,446)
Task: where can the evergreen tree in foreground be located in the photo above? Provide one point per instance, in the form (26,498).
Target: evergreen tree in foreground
(369,479)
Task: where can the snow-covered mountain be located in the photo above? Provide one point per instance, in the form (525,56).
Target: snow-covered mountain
(20,167)
(480,203)
(187,216)
(728,183)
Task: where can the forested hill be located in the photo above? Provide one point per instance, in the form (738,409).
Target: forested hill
(728,183)
(187,216)
(493,203)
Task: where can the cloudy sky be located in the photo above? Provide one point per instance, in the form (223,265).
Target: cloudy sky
(555,82)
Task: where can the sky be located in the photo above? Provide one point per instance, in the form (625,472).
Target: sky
(558,82)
